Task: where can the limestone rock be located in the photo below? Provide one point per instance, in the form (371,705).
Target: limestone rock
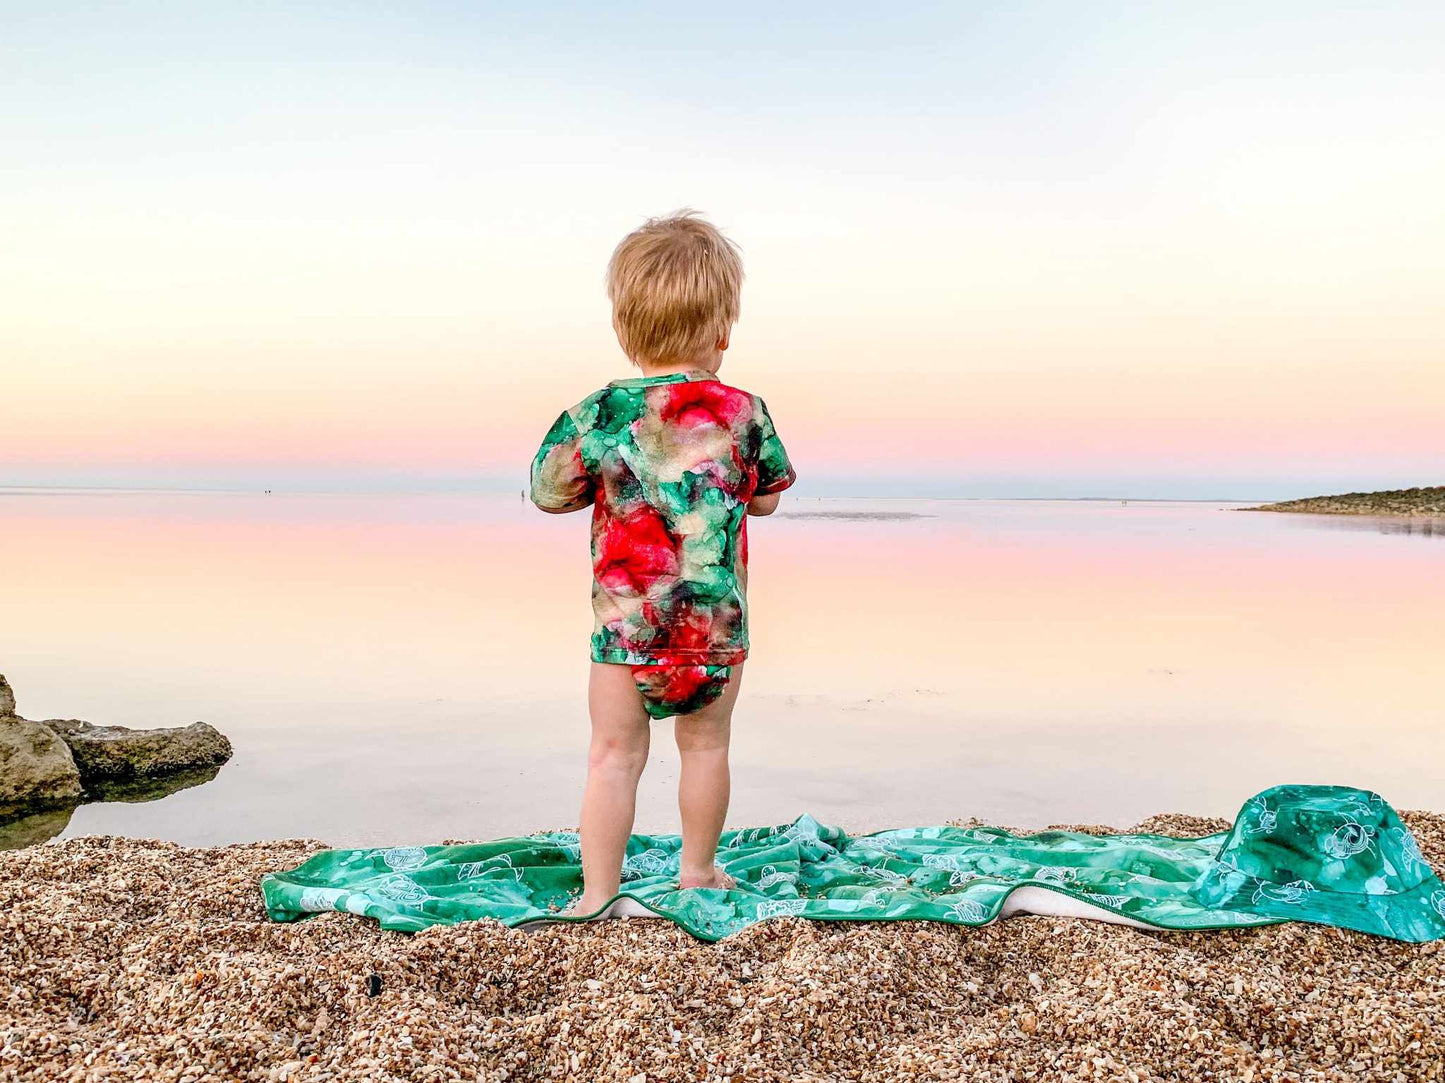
(115,752)
(62,761)
(37,770)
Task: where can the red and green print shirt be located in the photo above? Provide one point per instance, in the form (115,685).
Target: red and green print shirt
(669,464)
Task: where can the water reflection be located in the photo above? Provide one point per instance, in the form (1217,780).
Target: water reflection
(133,790)
(1424,526)
(413,668)
(35,828)
(38,827)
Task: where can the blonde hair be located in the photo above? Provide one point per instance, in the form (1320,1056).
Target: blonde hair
(675,285)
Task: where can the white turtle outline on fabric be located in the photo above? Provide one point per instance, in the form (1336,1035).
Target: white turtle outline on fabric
(1437,900)
(1055,874)
(881,875)
(1267,819)
(473,870)
(651,862)
(752,836)
(404,858)
(1291,893)
(1347,840)
(769,875)
(868,844)
(319,899)
(968,910)
(1410,849)
(400,888)
(781,908)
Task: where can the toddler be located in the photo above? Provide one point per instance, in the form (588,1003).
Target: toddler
(672,462)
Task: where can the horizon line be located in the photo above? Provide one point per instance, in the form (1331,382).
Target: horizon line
(260,491)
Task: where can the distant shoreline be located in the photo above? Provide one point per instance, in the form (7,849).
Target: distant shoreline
(1396,503)
(113,490)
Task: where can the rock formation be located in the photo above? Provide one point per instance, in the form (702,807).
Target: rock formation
(57,763)
(37,770)
(115,752)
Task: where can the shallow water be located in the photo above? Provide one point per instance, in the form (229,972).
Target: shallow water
(412,668)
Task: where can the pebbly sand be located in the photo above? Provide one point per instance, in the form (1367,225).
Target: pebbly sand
(104,975)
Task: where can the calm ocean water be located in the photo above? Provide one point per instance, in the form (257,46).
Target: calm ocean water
(412,668)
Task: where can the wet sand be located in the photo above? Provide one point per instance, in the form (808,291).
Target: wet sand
(134,959)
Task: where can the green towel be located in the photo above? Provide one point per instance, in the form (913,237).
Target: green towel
(1327,854)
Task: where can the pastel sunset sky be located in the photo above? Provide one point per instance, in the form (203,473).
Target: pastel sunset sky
(993,249)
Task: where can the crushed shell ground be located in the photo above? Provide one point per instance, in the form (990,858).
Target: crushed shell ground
(126,959)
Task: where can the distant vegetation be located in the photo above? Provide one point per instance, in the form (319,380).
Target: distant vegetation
(1427,501)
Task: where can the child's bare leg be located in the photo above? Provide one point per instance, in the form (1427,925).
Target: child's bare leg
(621,731)
(705,785)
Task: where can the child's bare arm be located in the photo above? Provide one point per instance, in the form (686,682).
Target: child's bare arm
(764,505)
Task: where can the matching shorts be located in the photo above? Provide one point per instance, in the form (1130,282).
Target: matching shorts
(674,690)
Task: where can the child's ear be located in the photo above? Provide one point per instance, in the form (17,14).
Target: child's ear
(722,343)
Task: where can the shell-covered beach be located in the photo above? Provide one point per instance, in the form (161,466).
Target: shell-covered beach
(135,959)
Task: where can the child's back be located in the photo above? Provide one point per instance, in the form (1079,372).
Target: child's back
(672,462)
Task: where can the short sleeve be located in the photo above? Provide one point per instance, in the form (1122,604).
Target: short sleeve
(775,472)
(560,481)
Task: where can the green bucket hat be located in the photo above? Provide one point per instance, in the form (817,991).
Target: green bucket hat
(1327,854)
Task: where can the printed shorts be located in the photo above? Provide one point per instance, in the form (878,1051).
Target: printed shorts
(674,690)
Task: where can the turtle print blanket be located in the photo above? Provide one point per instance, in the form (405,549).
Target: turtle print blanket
(1327,854)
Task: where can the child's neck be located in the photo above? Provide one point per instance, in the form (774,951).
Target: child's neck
(671,368)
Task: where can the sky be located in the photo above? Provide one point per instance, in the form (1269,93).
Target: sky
(992,249)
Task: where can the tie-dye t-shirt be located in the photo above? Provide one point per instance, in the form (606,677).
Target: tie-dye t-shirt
(669,464)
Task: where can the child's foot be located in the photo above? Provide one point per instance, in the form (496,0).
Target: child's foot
(714,877)
(584,906)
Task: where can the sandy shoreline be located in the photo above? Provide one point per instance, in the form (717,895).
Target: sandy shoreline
(132,959)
